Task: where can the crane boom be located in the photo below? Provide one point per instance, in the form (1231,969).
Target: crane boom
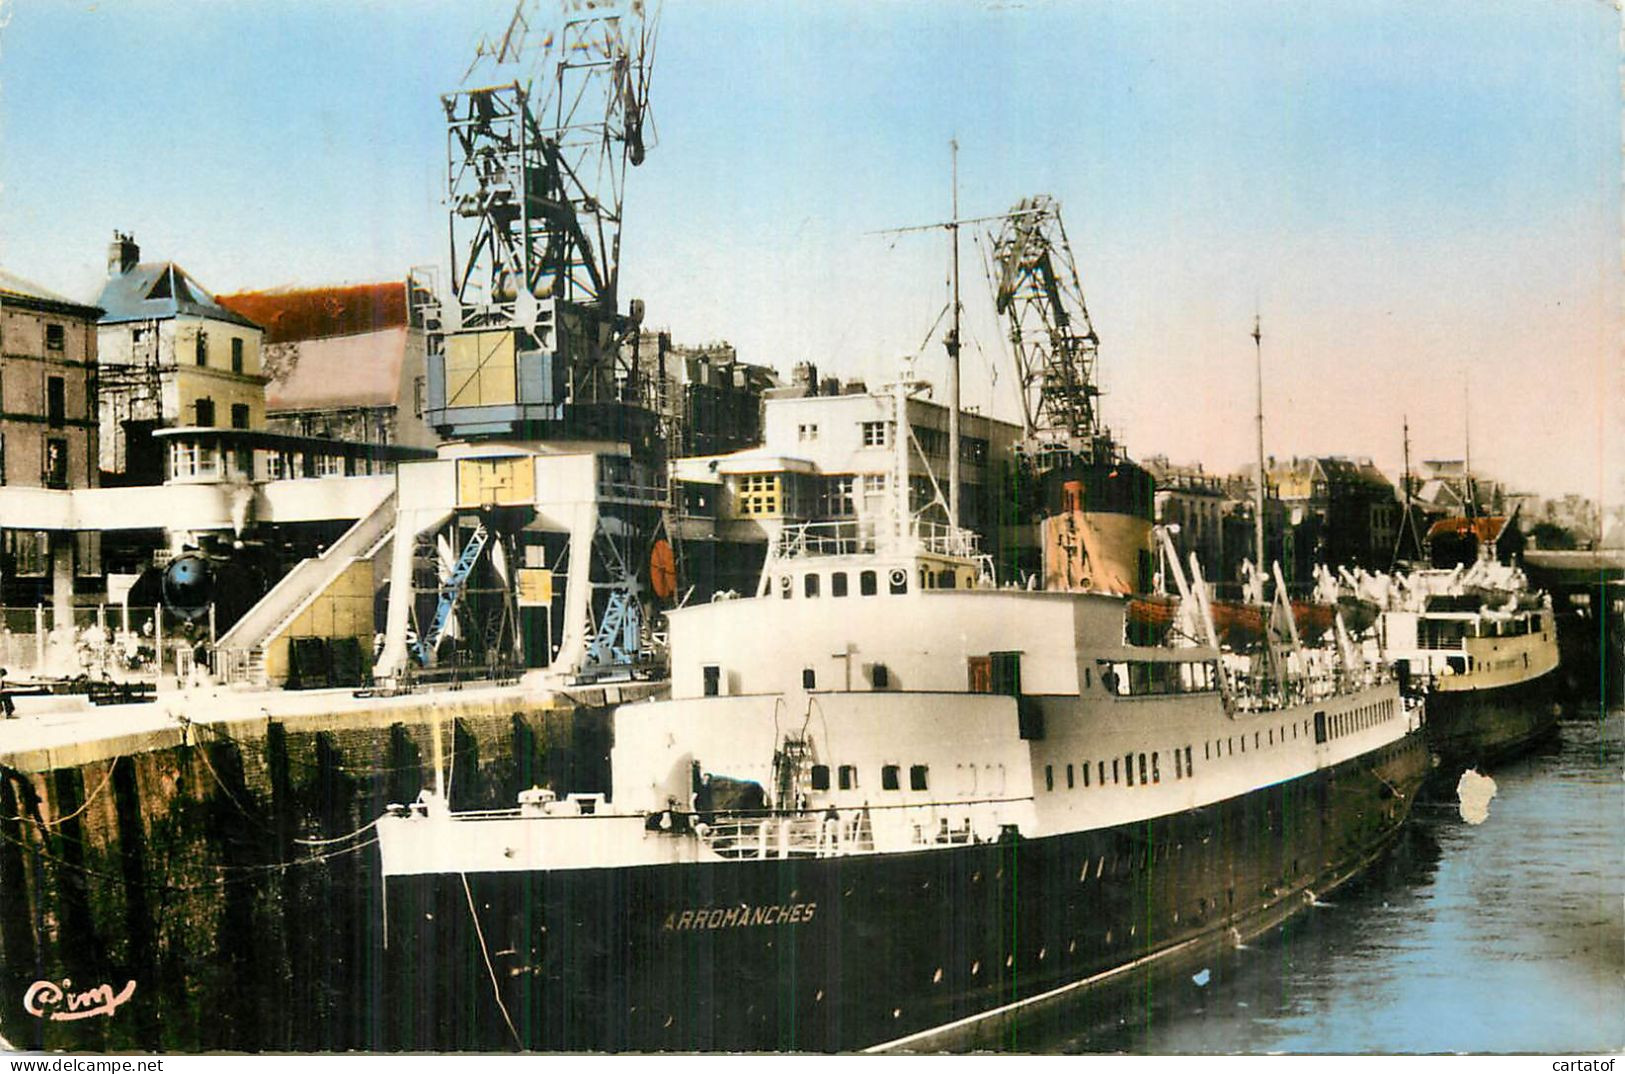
(1040,295)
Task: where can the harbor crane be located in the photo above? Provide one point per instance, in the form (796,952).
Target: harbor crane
(1038,292)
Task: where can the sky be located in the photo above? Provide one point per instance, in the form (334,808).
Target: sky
(1421,201)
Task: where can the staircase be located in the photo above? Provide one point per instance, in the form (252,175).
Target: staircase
(240,652)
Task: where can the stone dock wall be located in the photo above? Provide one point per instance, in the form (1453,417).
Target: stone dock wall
(229,870)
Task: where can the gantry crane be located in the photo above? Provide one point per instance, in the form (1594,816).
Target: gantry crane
(528,347)
(1038,292)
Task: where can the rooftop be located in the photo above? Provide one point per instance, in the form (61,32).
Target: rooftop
(15,289)
(290,314)
(159,290)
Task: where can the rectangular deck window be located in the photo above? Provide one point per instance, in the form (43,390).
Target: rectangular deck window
(848,777)
(888,777)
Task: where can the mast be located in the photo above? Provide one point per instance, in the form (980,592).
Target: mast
(1258,494)
(952,344)
(1467,437)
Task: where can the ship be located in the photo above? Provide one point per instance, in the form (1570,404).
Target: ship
(891,805)
(1482,646)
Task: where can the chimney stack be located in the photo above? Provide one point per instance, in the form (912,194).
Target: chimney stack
(122,254)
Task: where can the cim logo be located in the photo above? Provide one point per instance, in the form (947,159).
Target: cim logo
(733,917)
(55,1002)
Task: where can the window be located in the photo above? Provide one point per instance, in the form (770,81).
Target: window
(203,412)
(55,470)
(419,388)
(56,402)
(1085,767)
(712,674)
(888,777)
(239,411)
(806,432)
(866,584)
(237,358)
(1156,769)
(1142,769)
(809,584)
(55,337)
(809,679)
(87,554)
(1188,769)
(918,777)
(820,777)
(880,675)
(874,434)
(1114,771)
(29,550)
(330,466)
(1049,777)
(201,348)
(758,494)
(1102,773)
(837,584)
(897,580)
(1069,783)
(1128,769)
(840,496)
(848,775)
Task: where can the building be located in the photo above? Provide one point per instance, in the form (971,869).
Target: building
(343,363)
(170,356)
(1193,500)
(709,402)
(48,427)
(1285,542)
(826,455)
(1356,507)
(1445,488)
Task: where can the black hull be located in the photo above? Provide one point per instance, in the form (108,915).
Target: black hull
(839,954)
(1480,727)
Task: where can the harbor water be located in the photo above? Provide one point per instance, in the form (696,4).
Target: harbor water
(1502,936)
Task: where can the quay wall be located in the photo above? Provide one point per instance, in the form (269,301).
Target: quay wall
(228,867)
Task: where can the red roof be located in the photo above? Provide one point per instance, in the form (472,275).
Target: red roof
(320,312)
(1486,530)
